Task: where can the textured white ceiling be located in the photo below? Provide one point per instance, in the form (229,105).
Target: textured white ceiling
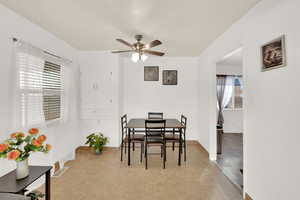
(186,27)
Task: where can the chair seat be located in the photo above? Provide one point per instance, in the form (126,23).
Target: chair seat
(172,137)
(154,133)
(136,137)
(155,139)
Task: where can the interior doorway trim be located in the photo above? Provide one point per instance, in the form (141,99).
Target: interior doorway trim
(213,117)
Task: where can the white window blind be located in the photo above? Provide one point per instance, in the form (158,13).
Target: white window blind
(52,90)
(41,88)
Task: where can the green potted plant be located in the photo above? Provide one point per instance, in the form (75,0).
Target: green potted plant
(35,195)
(97,141)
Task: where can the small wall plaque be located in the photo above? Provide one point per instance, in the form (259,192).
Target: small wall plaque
(151,73)
(273,54)
(170,77)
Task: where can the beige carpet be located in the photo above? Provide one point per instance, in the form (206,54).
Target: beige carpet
(104,177)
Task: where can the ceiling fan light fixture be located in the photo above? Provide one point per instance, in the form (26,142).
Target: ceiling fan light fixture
(135,57)
(140,49)
(144,57)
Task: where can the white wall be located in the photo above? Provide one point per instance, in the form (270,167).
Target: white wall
(141,97)
(233,118)
(233,121)
(226,69)
(62,136)
(271,135)
(122,81)
(101,98)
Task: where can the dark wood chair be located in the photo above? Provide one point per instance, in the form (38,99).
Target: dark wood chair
(157,126)
(175,137)
(155,115)
(135,138)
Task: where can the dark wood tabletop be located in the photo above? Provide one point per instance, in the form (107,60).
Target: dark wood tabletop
(9,184)
(140,123)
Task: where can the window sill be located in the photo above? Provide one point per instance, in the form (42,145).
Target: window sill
(53,122)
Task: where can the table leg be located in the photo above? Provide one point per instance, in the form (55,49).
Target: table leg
(129,132)
(47,187)
(180,146)
(133,145)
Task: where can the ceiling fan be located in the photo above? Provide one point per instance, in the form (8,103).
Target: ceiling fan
(140,49)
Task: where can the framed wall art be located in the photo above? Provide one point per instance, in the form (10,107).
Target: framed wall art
(151,73)
(169,77)
(273,54)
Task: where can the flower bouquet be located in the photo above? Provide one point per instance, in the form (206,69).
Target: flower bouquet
(19,147)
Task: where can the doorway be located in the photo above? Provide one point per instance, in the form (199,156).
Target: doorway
(229,84)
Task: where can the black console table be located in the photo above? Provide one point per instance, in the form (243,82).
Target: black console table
(9,184)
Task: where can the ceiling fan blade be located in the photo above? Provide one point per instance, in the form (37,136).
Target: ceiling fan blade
(156,53)
(121,51)
(124,42)
(154,43)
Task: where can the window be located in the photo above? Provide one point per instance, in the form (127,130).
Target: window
(236,100)
(52,88)
(40,84)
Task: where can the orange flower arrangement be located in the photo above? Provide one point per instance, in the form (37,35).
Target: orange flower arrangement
(17,135)
(19,146)
(42,138)
(33,131)
(36,143)
(48,147)
(13,155)
(3,147)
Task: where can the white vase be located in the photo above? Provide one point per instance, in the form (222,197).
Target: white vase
(22,170)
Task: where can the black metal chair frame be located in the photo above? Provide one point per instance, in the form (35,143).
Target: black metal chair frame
(157,126)
(133,139)
(155,115)
(176,138)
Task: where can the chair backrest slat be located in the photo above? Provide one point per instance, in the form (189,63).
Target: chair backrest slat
(155,115)
(123,125)
(183,122)
(155,126)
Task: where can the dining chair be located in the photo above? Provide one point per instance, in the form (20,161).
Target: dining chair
(155,115)
(183,122)
(175,137)
(150,139)
(135,138)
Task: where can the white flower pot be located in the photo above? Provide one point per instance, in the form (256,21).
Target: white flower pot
(22,170)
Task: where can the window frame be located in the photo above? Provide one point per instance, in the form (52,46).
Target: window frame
(233,108)
(25,92)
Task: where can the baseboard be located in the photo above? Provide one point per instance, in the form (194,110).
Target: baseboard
(247,197)
(200,145)
(56,167)
(87,148)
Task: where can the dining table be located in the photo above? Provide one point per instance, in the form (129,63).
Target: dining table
(138,125)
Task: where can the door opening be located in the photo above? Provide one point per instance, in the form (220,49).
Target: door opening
(229,76)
